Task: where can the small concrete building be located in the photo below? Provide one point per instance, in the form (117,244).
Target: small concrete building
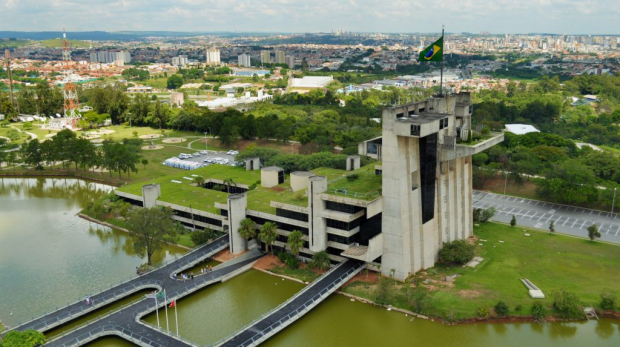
(271,176)
(177,98)
(252,164)
(299,180)
(353,162)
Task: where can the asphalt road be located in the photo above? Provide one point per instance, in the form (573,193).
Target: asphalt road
(538,214)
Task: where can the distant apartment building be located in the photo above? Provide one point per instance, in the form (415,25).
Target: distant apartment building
(290,61)
(181,60)
(265,57)
(244,60)
(110,57)
(213,56)
(280,58)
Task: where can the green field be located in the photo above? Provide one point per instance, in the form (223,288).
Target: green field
(57,43)
(551,262)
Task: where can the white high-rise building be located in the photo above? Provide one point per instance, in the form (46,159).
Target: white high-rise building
(180,60)
(213,56)
(265,57)
(244,60)
(280,59)
(290,61)
(110,57)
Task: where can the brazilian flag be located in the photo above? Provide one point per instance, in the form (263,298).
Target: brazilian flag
(433,52)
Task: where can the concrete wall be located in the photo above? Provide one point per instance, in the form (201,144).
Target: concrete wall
(150,193)
(237,204)
(269,177)
(317,228)
(299,180)
(353,162)
(252,164)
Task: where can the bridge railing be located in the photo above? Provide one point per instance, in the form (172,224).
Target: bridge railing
(292,314)
(109,329)
(194,254)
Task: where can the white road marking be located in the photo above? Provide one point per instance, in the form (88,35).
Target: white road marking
(584,223)
(574,223)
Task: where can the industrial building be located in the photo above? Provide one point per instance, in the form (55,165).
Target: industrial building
(415,196)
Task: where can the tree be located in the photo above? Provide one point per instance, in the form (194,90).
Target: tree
(501,308)
(457,252)
(199,180)
(608,300)
(247,228)
(145,162)
(27,338)
(174,82)
(552,227)
(295,241)
(483,215)
(151,229)
(539,312)
(421,300)
(268,234)
(200,237)
(593,232)
(320,260)
(513,221)
(567,304)
(383,294)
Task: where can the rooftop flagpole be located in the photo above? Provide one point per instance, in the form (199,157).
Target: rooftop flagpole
(441,76)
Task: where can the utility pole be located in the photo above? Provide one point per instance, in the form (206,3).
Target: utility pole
(613,203)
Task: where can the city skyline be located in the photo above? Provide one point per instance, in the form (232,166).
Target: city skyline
(502,16)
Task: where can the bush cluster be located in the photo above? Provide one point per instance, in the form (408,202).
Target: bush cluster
(457,252)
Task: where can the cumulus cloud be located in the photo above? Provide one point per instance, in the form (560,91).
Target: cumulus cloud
(499,16)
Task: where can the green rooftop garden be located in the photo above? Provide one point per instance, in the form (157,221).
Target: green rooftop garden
(187,194)
(367,185)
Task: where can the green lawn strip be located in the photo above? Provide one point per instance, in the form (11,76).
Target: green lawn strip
(304,274)
(260,198)
(551,262)
(366,187)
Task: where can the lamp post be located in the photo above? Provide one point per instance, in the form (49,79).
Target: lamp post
(613,203)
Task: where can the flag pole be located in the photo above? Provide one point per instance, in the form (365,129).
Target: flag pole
(441,76)
(176,317)
(166,306)
(156,309)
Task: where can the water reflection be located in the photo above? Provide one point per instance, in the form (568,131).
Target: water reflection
(605,329)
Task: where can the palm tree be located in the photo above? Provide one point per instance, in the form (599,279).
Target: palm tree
(320,260)
(247,229)
(228,183)
(268,234)
(199,180)
(295,241)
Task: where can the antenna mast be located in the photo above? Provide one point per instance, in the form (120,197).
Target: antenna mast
(14,102)
(71,103)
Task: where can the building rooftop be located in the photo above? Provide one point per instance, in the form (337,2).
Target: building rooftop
(521,129)
(423,118)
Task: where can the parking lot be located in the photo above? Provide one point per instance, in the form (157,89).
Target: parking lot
(212,155)
(539,214)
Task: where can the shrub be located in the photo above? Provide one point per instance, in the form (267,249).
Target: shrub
(421,300)
(539,312)
(383,293)
(518,308)
(320,260)
(352,177)
(483,215)
(483,312)
(501,308)
(289,259)
(27,126)
(457,252)
(567,304)
(608,300)
(200,237)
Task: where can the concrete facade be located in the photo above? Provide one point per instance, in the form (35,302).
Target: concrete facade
(150,193)
(353,162)
(237,204)
(317,228)
(300,180)
(271,176)
(427,192)
(252,164)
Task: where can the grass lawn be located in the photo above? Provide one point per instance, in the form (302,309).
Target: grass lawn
(161,83)
(122,132)
(22,136)
(366,187)
(551,262)
(260,198)
(305,274)
(57,43)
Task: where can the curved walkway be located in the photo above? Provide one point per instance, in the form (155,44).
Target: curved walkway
(126,323)
(295,307)
(156,279)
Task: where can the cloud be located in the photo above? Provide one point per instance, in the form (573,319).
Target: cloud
(499,16)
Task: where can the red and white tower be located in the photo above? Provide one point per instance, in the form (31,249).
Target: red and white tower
(72,103)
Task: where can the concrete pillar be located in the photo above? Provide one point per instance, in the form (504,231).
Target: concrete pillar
(150,193)
(237,204)
(317,226)
(252,164)
(353,162)
(271,176)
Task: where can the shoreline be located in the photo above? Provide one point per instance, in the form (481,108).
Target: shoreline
(97,221)
(56,174)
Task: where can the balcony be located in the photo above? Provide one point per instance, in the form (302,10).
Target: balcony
(460,150)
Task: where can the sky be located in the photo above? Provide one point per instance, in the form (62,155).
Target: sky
(475,16)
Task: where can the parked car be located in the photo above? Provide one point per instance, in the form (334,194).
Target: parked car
(204,152)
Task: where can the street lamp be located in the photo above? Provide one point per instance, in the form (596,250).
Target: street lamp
(613,203)
(207,141)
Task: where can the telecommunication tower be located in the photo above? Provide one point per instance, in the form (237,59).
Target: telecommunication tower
(72,103)
(14,102)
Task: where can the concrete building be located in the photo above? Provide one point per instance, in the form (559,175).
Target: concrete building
(290,61)
(110,57)
(213,56)
(417,198)
(180,61)
(280,57)
(177,98)
(265,57)
(244,60)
